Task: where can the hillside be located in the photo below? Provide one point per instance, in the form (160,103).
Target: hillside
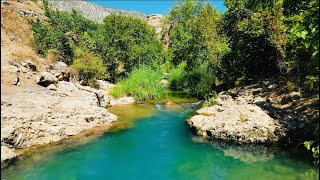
(91,10)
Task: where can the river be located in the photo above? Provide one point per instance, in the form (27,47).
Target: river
(153,141)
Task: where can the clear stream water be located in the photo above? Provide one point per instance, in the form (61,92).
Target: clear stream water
(153,141)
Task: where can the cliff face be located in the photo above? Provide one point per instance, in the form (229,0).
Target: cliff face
(155,20)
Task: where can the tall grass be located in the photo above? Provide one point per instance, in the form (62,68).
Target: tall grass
(143,83)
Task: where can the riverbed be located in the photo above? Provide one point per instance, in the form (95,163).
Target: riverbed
(152,140)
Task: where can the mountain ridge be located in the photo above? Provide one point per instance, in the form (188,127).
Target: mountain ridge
(92,10)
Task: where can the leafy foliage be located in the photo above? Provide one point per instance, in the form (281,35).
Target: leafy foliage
(303,41)
(313,149)
(177,78)
(256,41)
(89,67)
(195,39)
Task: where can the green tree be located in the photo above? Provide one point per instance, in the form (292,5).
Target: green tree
(196,39)
(303,40)
(254,30)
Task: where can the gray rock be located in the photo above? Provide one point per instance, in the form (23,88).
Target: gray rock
(26,13)
(7,155)
(46,78)
(52,87)
(9,75)
(272,86)
(61,64)
(122,101)
(235,121)
(61,70)
(91,10)
(29,65)
(39,117)
(105,85)
(295,95)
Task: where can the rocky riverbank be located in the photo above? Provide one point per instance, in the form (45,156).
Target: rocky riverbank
(42,107)
(50,112)
(262,113)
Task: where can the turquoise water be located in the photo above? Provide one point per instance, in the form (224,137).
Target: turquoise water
(154,142)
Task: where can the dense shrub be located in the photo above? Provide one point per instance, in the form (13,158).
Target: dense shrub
(88,67)
(302,45)
(52,33)
(199,82)
(142,83)
(254,32)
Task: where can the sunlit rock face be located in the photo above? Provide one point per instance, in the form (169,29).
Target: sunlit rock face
(91,10)
(236,121)
(155,20)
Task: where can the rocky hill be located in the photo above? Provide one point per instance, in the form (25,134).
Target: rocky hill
(91,10)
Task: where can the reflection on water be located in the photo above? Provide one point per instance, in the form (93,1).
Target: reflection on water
(261,162)
(128,114)
(244,153)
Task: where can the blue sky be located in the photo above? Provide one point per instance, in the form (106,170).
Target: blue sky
(149,6)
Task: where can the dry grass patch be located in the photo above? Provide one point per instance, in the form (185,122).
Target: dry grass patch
(24,53)
(53,56)
(15,25)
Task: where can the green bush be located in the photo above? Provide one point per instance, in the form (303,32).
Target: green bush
(88,67)
(142,83)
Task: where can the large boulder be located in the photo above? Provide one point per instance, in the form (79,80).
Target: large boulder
(234,121)
(155,20)
(46,78)
(105,85)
